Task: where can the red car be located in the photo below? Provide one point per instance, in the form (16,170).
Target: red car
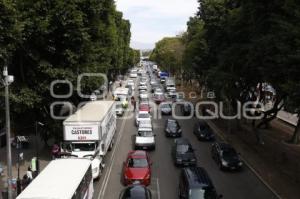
(144,107)
(137,168)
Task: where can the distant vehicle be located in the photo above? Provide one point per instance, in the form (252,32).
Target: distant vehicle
(172,128)
(143,88)
(136,192)
(144,107)
(195,183)
(62,178)
(93,97)
(143,94)
(89,133)
(141,116)
(130,82)
(203,131)
(153,81)
(119,110)
(122,94)
(186,109)
(154,87)
(145,138)
(133,74)
(226,156)
(179,97)
(137,168)
(165,108)
(163,76)
(171,94)
(183,153)
(154,67)
(159,98)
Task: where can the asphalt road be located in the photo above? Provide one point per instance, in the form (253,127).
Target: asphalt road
(165,176)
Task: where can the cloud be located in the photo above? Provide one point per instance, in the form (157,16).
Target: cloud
(152,20)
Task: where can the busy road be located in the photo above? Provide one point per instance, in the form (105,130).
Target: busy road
(165,175)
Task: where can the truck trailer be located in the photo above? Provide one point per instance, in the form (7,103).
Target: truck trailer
(89,133)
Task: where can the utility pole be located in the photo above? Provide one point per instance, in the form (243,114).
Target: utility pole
(8,80)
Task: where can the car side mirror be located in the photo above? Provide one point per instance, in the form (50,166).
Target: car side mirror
(154,135)
(220,196)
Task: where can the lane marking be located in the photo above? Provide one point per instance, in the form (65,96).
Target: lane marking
(107,174)
(158,190)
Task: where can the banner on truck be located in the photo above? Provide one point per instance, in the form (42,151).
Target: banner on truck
(89,132)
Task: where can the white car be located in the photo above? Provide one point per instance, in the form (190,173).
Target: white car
(144,138)
(142,83)
(133,75)
(130,82)
(143,94)
(143,87)
(142,116)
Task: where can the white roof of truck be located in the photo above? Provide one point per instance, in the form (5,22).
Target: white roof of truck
(91,112)
(58,180)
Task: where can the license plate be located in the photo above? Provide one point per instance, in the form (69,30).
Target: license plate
(144,147)
(232,167)
(185,164)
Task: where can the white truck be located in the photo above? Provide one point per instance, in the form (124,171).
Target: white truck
(89,133)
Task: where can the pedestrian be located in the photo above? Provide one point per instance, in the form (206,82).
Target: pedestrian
(25,182)
(29,173)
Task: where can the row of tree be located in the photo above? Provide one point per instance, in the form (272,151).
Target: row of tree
(234,47)
(43,41)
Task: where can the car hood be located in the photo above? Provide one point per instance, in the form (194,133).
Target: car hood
(137,173)
(173,129)
(144,140)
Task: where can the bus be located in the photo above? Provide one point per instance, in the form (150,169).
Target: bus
(66,178)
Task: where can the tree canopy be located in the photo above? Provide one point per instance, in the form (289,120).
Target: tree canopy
(42,41)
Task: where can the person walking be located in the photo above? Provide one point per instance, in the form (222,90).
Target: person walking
(29,173)
(133,103)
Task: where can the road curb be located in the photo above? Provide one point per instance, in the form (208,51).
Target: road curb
(219,134)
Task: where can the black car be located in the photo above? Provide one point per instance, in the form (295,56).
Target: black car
(165,108)
(183,153)
(186,109)
(172,128)
(195,183)
(226,156)
(203,131)
(135,191)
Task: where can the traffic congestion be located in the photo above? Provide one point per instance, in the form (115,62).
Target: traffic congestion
(133,145)
(160,156)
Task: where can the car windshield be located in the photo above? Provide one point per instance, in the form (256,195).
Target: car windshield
(165,106)
(203,193)
(172,124)
(184,148)
(137,163)
(143,115)
(145,133)
(83,147)
(229,153)
(119,106)
(135,194)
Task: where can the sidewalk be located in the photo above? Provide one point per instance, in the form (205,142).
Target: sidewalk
(44,157)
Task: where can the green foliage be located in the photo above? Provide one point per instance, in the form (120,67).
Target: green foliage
(168,53)
(59,40)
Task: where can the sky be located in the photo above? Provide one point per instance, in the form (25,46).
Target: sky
(151,20)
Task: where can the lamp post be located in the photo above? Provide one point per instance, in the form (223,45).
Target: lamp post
(20,157)
(8,79)
(37,146)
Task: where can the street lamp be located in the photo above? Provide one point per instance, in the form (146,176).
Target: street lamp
(8,79)
(37,146)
